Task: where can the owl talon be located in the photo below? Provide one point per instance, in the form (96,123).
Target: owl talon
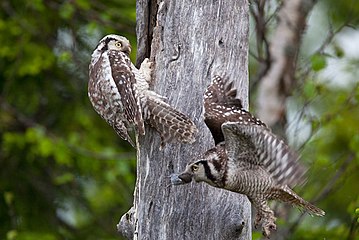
(266,233)
(257,221)
(269,226)
(267,230)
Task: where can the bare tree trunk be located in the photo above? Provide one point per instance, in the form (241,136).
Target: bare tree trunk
(191,41)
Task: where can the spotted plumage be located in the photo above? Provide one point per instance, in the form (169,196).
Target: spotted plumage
(120,93)
(221,105)
(250,160)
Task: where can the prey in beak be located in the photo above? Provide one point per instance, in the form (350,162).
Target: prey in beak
(181,178)
(196,171)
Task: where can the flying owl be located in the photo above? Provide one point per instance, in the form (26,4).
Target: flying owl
(119,93)
(248,158)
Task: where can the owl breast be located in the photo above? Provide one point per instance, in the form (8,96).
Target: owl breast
(248,180)
(103,92)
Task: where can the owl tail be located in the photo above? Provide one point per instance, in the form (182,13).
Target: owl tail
(289,196)
(170,123)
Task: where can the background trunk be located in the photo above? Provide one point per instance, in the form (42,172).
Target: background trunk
(191,41)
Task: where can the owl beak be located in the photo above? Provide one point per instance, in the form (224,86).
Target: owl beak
(128,50)
(182,178)
(185,177)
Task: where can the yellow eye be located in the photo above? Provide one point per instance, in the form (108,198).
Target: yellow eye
(118,44)
(194,168)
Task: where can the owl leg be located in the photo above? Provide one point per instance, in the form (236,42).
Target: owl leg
(266,216)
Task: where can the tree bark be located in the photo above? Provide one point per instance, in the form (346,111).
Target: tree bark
(192,40)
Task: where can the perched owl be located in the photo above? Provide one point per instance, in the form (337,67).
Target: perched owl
(250,160)
(119,92)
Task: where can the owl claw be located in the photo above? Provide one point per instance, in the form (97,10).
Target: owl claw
(257,221)
(268,227)
(268,223)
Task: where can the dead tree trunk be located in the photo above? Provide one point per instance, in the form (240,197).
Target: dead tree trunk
(191,41)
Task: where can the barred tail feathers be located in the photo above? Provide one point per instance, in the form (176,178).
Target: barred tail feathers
(289,196)
(169,122)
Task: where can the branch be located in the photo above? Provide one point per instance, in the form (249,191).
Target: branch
(279,79)
(263,56)
(353,228)
(329,38)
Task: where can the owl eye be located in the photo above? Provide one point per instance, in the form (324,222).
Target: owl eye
(118,44)
(194,168)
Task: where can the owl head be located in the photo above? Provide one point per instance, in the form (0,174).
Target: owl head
(207,169)
(114,42)
(200,171)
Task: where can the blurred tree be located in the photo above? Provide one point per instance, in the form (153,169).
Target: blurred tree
(312,100)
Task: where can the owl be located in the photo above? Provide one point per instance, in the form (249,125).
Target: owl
(120,94)
(248,158)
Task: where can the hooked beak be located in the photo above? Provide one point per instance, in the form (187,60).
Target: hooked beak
(182,178)
(127,50)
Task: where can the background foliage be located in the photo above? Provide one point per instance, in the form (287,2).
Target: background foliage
(66,175)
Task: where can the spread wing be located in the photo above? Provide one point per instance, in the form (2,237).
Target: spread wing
(221,105)
(257,145)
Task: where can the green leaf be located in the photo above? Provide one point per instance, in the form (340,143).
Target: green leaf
(9,197)
(64,178)
(45,147)
(11,235)
(83,4)
(310,89)
(319,62)
(67,10)
(37,5)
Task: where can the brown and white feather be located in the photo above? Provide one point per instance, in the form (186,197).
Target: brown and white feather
(221,105)
(111,87)
(268,151)
(248,158)
(119,92)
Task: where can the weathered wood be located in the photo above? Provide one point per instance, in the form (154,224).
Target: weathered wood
(145,22)
(192,41)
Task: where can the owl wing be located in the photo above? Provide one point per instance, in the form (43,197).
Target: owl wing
(125,79)
(221,105)
(259,146)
